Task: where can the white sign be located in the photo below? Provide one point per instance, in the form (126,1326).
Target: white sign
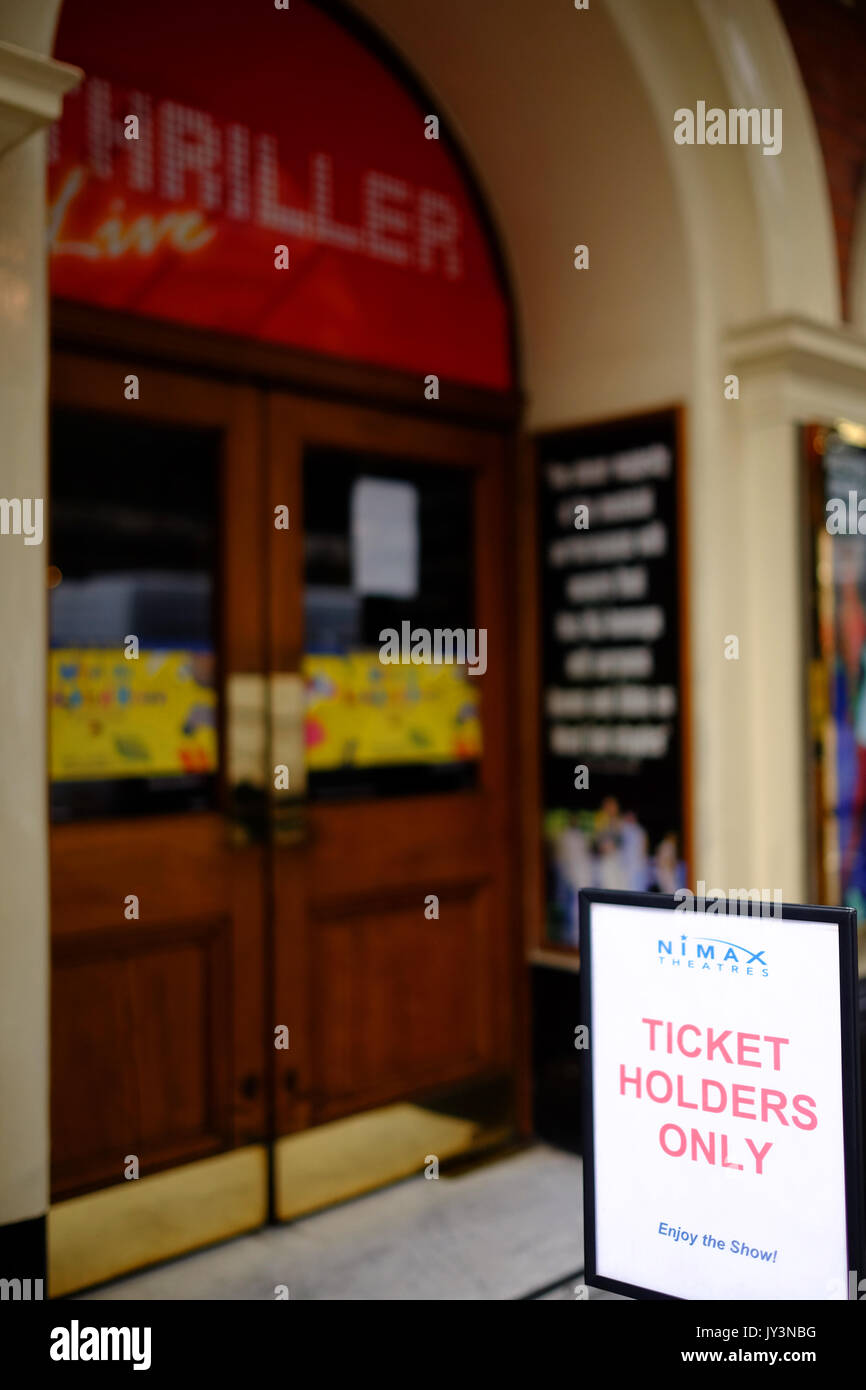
(717,1104)
(385,540)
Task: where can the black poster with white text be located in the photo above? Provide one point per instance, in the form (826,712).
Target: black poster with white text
(611,657)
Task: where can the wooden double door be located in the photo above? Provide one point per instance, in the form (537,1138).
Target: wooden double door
(280,865)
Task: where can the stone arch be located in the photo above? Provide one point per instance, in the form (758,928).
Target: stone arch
(572,129)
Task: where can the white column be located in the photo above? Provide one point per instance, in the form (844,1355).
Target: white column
(31,92)
(791,372)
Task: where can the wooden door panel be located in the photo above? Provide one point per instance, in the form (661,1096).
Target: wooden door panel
(159,1042)
(184,877)
(403,1002)
(425,841)
(174,869)
(141,1038)
(382,1002)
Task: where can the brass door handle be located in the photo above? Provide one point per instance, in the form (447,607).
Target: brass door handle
(288,814)
(289,824)
(246,797)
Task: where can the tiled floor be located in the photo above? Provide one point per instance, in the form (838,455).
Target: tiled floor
(511,1229)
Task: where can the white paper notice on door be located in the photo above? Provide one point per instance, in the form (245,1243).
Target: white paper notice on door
(385,540)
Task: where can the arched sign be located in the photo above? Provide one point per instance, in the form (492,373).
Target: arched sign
(206,137)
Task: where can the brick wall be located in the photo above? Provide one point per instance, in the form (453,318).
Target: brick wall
(829,39)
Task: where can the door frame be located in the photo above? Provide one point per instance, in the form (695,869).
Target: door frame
(173,356)
(85,328)
(88,329)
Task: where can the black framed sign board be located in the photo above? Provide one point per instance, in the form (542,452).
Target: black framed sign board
(614,651)
(722,1138)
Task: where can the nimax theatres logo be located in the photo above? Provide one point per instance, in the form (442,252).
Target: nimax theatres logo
(716,953)
(711,953)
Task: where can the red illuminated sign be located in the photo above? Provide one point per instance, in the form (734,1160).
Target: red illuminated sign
(171,191)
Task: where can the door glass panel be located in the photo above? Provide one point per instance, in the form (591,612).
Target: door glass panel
(388,549)
(133,555)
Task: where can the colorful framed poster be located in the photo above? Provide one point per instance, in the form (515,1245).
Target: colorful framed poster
(835,604)
(363,714)
(112,718)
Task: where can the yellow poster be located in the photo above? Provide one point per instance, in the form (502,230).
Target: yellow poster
(154,716)
(361,713)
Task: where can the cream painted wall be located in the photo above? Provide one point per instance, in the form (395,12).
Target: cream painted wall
(760,234)
(571,130)
(562,138)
